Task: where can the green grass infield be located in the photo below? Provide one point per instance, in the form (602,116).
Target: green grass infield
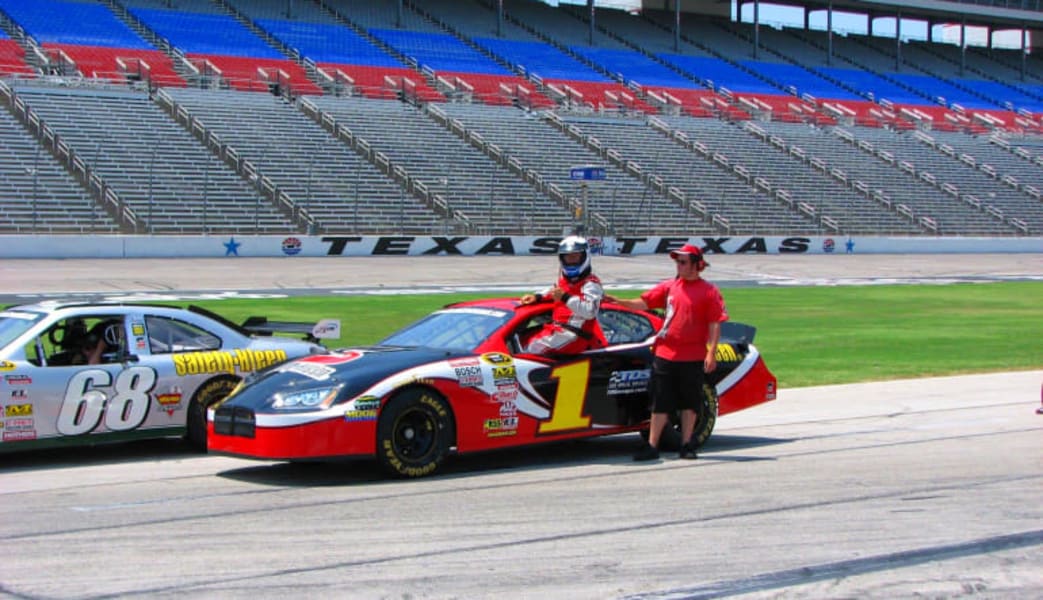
(807,335)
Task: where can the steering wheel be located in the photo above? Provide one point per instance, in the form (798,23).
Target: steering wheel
(53,335)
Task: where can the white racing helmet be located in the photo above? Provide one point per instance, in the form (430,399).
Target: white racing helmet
(570,245)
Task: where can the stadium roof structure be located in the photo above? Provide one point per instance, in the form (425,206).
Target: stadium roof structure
(988,13)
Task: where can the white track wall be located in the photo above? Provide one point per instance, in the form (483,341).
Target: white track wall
(28,246)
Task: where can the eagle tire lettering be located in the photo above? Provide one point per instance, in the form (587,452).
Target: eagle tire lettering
(706,416)
(415,431)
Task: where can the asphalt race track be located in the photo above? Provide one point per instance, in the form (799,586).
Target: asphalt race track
(926,488)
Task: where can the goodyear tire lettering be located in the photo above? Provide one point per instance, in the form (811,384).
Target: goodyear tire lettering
(207,395)
(415,431)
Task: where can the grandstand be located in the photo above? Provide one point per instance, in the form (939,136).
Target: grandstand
(450,116)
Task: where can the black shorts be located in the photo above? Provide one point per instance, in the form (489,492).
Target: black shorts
(676,385)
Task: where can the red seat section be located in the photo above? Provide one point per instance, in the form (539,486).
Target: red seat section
(691,101)
(862,112)
(382,82)
(256,74)
(1001,119)
(117,64)
(597,95)
(788,109)
(497,89)
(12,59)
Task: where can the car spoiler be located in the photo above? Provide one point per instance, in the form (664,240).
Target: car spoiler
(313,332)
(328,329)
(739,333)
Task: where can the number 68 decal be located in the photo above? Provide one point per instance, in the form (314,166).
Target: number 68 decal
(85,404)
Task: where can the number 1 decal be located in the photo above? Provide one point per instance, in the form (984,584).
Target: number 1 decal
(84,404)
(567,414)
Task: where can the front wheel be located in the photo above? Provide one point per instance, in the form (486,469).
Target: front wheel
(206,396)
(414,433)
(705,420)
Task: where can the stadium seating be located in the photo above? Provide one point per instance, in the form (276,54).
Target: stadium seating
(37,195)
(117,64)
(224,50)
(12,58)
(481,192)
(157,168)
(322,176)
(87,39)
(706,132)
(624,203)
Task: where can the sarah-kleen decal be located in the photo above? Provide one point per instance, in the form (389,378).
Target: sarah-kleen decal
(226,361)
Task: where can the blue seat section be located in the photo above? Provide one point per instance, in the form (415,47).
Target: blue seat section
(324,43)
(541,59)
(3,35)
(721,73)
(803,80)
(439,51)
(199,33)
(634,66)
(937,87)
(74,23)
(871,83)
(1019,97)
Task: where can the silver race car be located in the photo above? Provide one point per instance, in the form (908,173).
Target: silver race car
(75,374)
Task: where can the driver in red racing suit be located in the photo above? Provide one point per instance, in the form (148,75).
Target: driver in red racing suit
(577,298)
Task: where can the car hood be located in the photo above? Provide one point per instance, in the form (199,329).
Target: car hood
(354,370)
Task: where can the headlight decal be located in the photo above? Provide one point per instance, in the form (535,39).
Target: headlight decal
(309,399)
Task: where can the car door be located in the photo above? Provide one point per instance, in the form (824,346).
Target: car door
(66,397)
(604,387)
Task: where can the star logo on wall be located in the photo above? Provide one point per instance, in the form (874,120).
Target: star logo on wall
(232,247)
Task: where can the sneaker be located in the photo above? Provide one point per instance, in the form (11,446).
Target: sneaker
(687,452)
(648,452)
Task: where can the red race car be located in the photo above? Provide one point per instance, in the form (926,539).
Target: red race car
(456,381)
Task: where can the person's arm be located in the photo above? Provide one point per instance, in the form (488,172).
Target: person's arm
(634,303)
(538,297)
(585,304)
(713,336)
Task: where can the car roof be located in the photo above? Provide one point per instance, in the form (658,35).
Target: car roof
(53,307)
(508,304)
(60,307)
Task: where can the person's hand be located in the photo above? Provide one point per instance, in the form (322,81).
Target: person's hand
(528,299)
(710,363)
(556,293)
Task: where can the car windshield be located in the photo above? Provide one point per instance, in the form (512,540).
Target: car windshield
(14,323)
(451,329)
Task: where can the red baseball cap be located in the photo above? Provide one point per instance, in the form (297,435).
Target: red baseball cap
(690,250)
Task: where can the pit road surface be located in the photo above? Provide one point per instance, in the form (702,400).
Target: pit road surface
(922,488)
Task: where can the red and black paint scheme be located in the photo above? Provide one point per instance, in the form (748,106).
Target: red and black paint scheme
(456,381)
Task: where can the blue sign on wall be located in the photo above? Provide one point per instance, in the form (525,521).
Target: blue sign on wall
(587,172)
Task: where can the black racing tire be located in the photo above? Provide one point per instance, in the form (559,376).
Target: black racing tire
(415,433)
(211,392)
(706,419)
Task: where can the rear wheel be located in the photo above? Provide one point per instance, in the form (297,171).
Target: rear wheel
(706,419)
(414,433)
(209,393)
